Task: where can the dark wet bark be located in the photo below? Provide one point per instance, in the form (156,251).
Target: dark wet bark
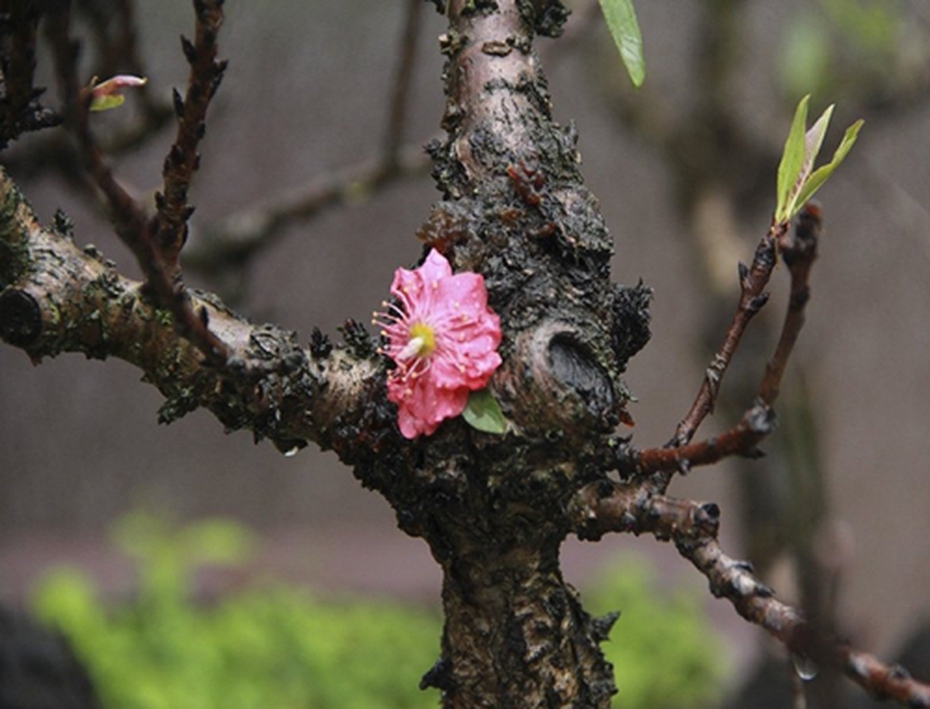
(492,508)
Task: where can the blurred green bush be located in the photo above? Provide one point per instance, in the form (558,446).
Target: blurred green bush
(664,652)
(281,647)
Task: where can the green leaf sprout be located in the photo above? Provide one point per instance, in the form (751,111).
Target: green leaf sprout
(797,179)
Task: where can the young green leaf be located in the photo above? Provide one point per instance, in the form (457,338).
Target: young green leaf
(792,160)
(816,180)
(621,20)
(105,103)
(813,141)
(484,413)
(797,179)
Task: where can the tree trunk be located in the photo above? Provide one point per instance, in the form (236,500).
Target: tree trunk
(493,508)
(516,635)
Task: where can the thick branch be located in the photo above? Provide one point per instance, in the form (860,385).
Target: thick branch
(57,298)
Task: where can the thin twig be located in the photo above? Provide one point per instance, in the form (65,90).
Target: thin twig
(799,253)
(242,235)
(128,217)
(182,161)
(752,282)
(740,440)
(400,95)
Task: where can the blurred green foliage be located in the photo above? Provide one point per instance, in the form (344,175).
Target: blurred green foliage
(867,50)
(664,652)
(276,646)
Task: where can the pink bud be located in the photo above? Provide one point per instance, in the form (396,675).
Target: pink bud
(107,94)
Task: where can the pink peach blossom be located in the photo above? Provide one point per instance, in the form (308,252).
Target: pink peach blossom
(442,337)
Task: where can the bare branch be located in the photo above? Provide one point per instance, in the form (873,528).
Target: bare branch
(741,440)
(183,160)
(799,252)
(752,283)
(240,236)
(129,218)
(606,507)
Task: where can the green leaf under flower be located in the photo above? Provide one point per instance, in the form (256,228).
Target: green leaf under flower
(484,413)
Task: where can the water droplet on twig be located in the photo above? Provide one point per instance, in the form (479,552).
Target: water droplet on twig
(804,666)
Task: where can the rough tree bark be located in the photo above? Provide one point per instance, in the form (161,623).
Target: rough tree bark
(493,509)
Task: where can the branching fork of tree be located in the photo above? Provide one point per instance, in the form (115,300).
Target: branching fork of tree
(494,509)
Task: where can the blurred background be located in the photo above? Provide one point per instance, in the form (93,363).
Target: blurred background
(836,517)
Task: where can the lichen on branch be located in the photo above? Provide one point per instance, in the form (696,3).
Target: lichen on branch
(56,297)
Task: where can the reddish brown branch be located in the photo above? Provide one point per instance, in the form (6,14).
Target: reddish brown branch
(183,159)
(128,217)
(752,283)
(799,254)
(799,249)
(626,507)
(742,440)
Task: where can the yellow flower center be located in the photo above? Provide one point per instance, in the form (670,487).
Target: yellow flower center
(422,343)
(422,340)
